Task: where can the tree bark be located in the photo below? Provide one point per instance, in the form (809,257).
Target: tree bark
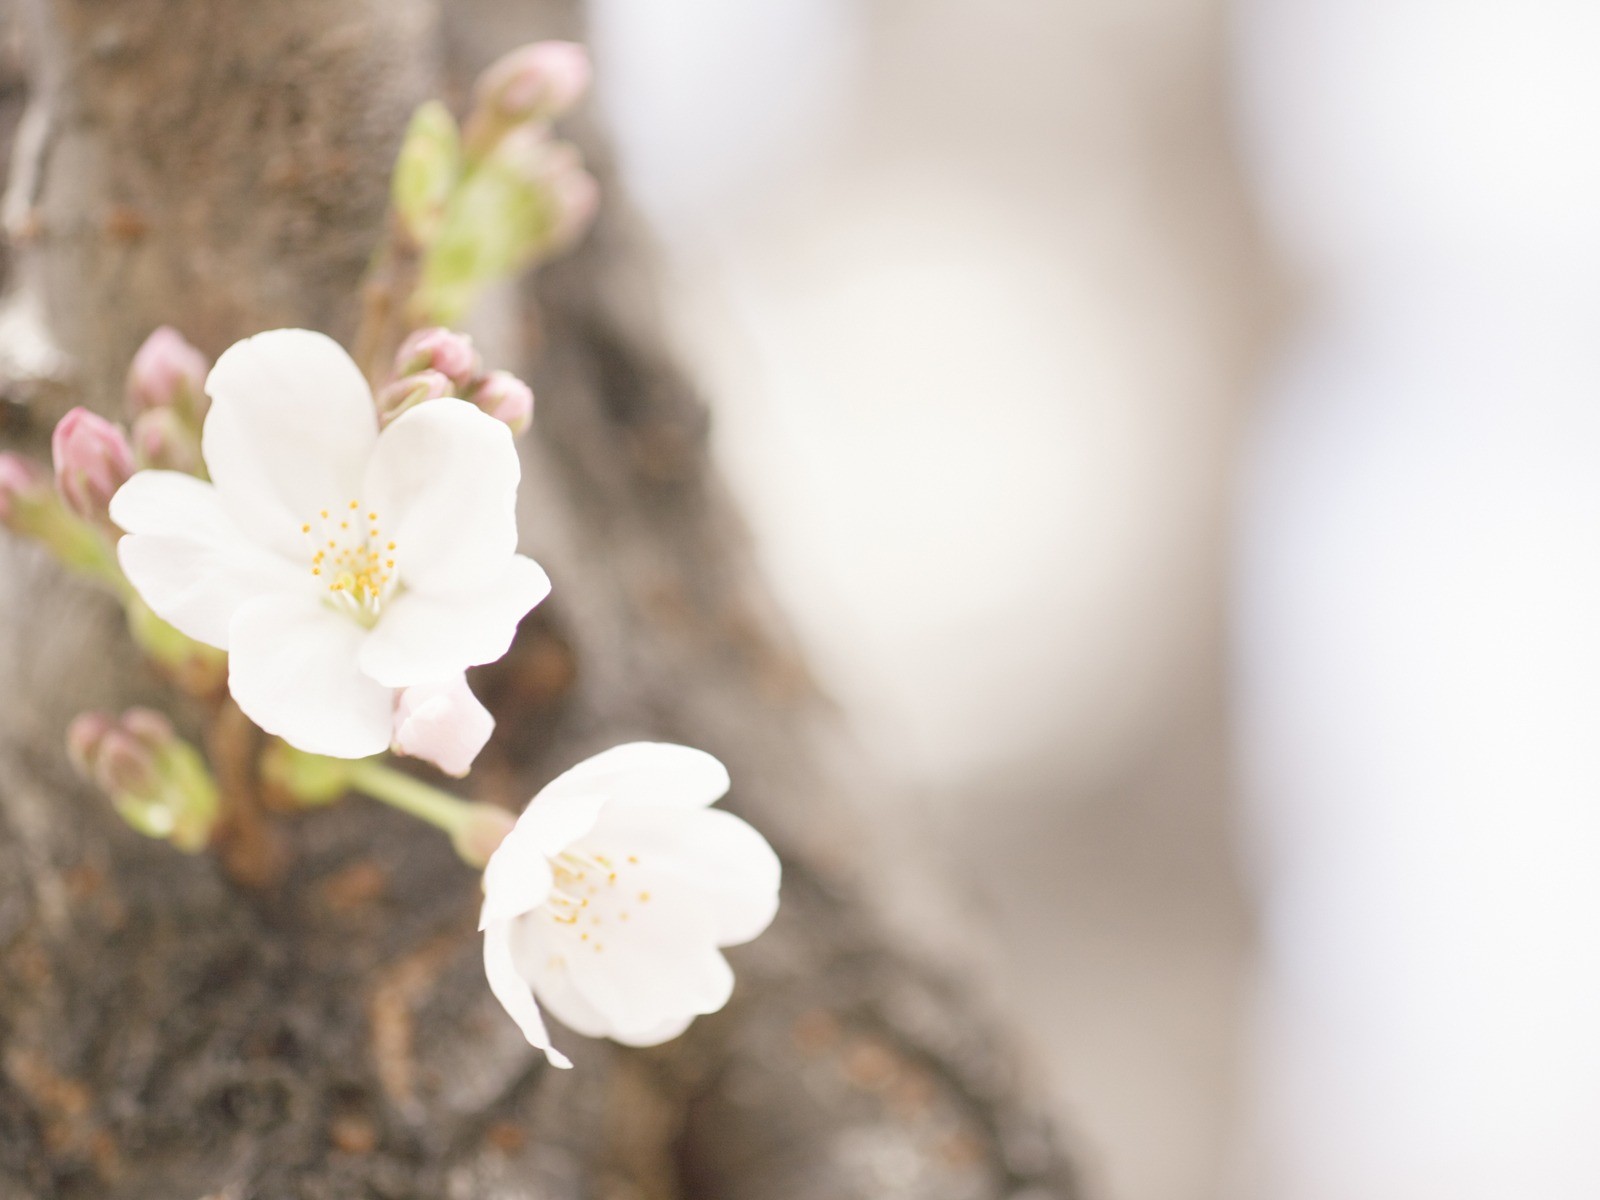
(303,1014)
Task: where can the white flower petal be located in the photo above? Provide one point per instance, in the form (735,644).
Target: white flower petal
(516,880)
(540,962)
(293,667)
(290,430)
(188,560)
(567,807)
(443,723)
(426,638)
(513,992)
(658,965)
(443,480)
(712,852)
(656,1034)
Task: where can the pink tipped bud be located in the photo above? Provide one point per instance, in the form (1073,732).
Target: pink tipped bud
(481,832)
(156,780)
(164,441)
(505,398)
(84,736)
(167,372)
(149,728)
(24,489)
(442,723)
(577,198)
(123,765)
(93,459)
(409,391)
(442,350)
(535,82)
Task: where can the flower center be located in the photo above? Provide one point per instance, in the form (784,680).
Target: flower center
(352,558)
(592,890)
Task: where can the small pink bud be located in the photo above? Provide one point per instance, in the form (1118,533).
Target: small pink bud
(164,441)
(577,199)
(481,832)
(505,398)
(24,488)
(84,736)
(409,391)
(93,459)
(123,765)
(149,728)
(443,723)
(167,372)
(535,82)
(156,780)
(443,350)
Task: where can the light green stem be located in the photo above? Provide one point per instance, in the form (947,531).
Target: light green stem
(421,800)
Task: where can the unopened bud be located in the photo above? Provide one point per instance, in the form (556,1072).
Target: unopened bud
(442,350)
(93,459)
(536,82)
(442,723)
(25,490)
(409,391)
(84,736)
(480,833)
(575,195)
(505,398)
(164,441)
(157,781)
(167,372)
(124,765)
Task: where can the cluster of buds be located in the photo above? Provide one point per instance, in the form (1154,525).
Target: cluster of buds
(157,782)
(436,362)
(500,193)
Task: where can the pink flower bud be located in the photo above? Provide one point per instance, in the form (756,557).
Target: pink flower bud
(164,441)
(24,488)
(84,736)
(156,780)
(442,350)
(149,728)
(93,459)
(443,723)
(123,765)
(535,82)
(576,194)
(167,372)
(481,833)
(409,391)
(505,398)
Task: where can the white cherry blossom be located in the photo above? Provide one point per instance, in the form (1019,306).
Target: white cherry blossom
(334,563)
(610,899)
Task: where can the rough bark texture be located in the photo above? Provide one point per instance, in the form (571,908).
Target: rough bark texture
(304,1015)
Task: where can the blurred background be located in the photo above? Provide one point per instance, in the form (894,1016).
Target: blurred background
(1173,427)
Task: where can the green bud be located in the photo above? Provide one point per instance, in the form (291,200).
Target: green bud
(306,780)
(426,171)
(500,220)
(158,783)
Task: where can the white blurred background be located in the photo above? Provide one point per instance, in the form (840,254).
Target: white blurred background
(1172,426)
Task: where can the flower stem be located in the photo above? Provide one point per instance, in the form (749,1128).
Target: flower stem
(421,800)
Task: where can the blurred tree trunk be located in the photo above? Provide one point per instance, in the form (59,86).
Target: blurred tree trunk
(304,1014)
